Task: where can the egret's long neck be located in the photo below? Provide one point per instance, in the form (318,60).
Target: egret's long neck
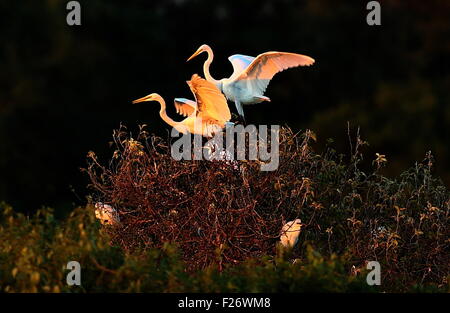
(206,67)
(163,114)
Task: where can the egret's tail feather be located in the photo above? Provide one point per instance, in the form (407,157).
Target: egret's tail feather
(263,98)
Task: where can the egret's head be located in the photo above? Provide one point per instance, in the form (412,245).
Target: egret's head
(202,48)
(150,97)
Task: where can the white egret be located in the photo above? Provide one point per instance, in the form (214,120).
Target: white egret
(290,232)
(207,115)
(106,214)
(251,75)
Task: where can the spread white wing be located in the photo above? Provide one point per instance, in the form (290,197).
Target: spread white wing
(262,69)
(240,62)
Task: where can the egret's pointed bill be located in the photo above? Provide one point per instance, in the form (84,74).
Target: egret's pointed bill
(143,99)
(194,55)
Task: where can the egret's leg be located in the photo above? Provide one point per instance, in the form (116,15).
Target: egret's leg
(240,110)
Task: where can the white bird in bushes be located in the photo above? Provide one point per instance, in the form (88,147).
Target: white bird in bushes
(290,232)
(207,115)
(106,214)
(251,75)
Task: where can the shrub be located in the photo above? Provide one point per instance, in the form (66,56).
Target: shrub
(219,214)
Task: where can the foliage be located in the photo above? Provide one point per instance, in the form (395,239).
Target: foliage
(34,253)
(351,217)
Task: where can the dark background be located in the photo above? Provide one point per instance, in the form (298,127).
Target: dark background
(63,89)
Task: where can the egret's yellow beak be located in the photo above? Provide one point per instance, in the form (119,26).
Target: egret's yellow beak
(195,54)
(143,99)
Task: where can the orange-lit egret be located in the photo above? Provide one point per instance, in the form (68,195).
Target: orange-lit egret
(290,233)
(208,114)
(251,75)
(106,214)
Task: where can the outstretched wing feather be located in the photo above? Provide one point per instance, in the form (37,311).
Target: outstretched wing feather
(259,73)
(240,62)
(185,106)
(210,101)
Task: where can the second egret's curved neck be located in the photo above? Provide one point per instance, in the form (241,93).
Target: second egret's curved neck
(163,113)
(206,66)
